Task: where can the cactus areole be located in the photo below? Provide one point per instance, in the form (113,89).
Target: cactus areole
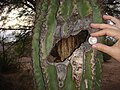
(62,56)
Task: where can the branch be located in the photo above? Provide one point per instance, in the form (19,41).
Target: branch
(32,2)
(17,40)
(16,29)
(28,5)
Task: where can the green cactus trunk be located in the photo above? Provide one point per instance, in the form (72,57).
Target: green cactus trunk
(62,57)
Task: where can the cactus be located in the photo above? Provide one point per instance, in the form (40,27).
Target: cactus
(62,57)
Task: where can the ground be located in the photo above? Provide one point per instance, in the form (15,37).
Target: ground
(23,80)
(111,75)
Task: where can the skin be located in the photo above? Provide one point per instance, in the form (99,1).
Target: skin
(109,30)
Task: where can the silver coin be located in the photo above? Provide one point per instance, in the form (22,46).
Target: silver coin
(92,40)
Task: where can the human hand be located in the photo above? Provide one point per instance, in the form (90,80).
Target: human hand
(113,19)
(109,30)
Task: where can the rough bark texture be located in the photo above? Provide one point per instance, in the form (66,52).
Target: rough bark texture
(62,57)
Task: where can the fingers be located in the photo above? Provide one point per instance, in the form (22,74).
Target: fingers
(107,17)
(112,51)
(108,32)
(104,48)
(103,26)
(113,19)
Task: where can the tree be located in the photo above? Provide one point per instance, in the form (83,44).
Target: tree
(112,7)
(14,17)
(17,3)
(62,57)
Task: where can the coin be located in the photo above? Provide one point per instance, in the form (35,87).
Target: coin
(92,40)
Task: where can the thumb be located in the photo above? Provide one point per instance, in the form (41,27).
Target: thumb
(104,48)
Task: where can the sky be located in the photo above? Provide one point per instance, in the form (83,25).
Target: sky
(14,20)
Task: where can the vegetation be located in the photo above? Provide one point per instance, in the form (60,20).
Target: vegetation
(15,45)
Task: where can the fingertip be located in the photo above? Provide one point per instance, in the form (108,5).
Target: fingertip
(94,25)
(91,24)
(106,17)
(92,34)
(102,47)
(95,34)
(94,46)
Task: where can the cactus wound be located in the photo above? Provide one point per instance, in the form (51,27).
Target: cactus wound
(69,50)
(66,46)
(76,60)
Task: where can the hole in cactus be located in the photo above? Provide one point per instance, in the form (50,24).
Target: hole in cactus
(60,84)
(66,46)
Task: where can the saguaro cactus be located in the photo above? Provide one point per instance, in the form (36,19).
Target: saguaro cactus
(62,57)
